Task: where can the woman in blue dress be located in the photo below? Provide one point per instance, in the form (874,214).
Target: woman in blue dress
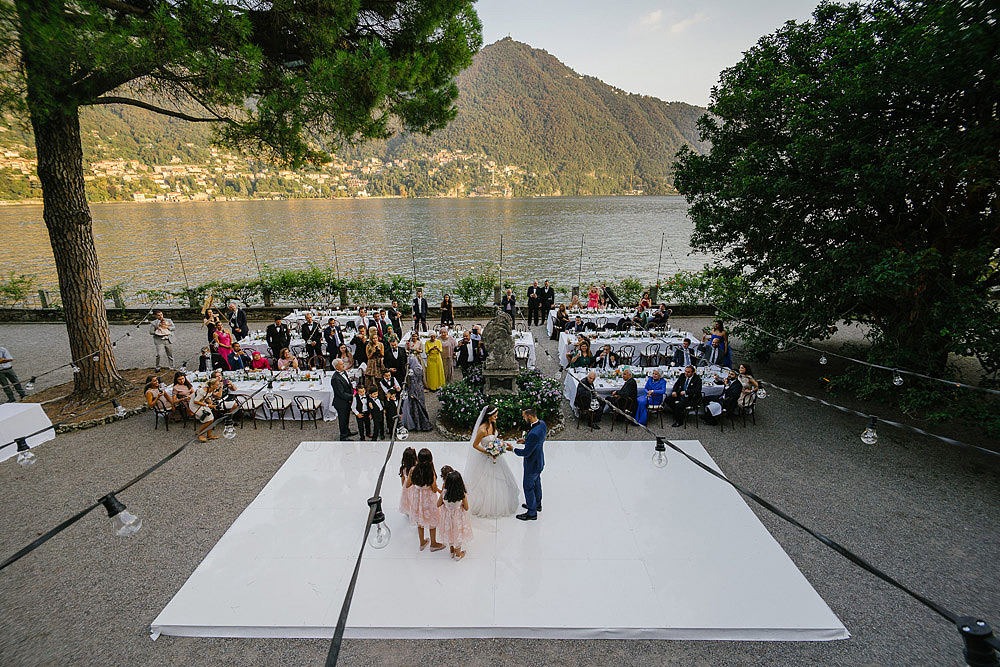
(719,331)
(654,391)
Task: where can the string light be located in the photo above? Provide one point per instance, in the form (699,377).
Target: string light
(25,456)
(30,384)
(119,410)
(781,345)
(96,357)
(379,535)
(823,360)
(869,436)
(660,453)
(76,369)
(229,432)
(123,522)
(897,379)
(402,433)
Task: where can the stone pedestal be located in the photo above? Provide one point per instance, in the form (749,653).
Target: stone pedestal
(500,369)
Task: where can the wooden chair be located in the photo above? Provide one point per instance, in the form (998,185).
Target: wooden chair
(695,412)
(276,405)
(626,354)
(590,415)
(656,409)
(308,407)
(246,406)
(602,323)
(626,405)
(749,409)
(520,326)
(651,356)
(317,361)
(159,414)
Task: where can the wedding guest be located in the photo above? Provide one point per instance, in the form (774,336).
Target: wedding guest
(561,322)
(750,386)
(455,526)
(205,361)
(238,321)
(727,401)
(719,333)
(182,392)
(414,415)
(359,346)
(426,514)
(201,406)
(260,362)
(157,397)
(333,337)
(435,367)
(161,329)
(448,347)
(387,328)
(344,355)
(468,353)
(585,394)
(419,311)
(640,318)
(343,398)
(377,327)
(685,394)
(219,360)
(534,303)
(574,302)
(576,326)
(447,311)
(609,296)
(395,360)
(714,353)
(361,321)
(225,389)
(583,357)
(394,317)
(508,303)
(414,348)
(548,299)
(287,361)
(377,409)
(374,354)
(626,399)
(653,393)
(645,301)
(388,392)
(606,359)
(362,412)
(239,360)
(685,355)
(660,317)
(407,497)
(313,337)
(593,297)
(8,378)
(225,340)
(278,337)
(212,323)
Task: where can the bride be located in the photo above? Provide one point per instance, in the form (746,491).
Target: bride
(489,482)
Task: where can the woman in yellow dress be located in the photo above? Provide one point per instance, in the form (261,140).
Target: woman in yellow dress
(434,374)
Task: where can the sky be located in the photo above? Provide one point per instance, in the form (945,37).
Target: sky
(670,49)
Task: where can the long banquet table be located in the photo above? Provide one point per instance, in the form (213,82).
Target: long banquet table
(285,385)
(613,317)
(667,340)
(525,338)
(608,382)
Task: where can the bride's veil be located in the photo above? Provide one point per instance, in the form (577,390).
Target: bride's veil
(479,422)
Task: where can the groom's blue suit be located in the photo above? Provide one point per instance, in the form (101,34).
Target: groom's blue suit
(534,461)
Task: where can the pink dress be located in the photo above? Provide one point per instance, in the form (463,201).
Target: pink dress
(455,528)
(424,510)
(225,344)
(593,299)
(407,498)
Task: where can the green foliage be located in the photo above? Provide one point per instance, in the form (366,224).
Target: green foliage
(853,177)
(462,401)
(629,290)
(153,297)
(16,288)
(476,288)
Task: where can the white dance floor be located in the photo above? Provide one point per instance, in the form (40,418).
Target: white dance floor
(621,550)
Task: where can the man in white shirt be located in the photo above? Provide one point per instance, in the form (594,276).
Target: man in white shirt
(8,377)
(161,329)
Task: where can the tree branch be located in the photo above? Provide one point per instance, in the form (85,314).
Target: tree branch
(150,107)
(123,7)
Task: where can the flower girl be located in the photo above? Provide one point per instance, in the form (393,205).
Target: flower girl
(424,511)
(456,528)
(405,466)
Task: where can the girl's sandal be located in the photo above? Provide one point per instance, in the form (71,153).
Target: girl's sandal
(437,548)
(460,555)
(423,545)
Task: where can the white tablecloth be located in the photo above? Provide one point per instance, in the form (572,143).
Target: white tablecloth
(613,317)
(320,389)
(18,420)
(606,385)
(667,340)
(520,338)
(254,344)
(321,316)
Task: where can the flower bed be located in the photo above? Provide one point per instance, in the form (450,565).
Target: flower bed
(462,401)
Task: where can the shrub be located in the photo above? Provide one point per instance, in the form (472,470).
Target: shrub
(15,289)
(476,288)
(462,401)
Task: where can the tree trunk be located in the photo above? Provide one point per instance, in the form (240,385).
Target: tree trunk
(67,217)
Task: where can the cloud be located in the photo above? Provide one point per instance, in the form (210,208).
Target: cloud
(684,24)
(652,20)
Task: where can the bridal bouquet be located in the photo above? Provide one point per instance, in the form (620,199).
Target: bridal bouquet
(495,448)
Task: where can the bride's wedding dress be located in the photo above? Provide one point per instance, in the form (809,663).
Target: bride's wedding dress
(491,488)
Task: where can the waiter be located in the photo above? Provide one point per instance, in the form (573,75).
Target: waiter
(343,396)
(419,311)
(548,299)
(313,336)
(278,337)
(534,303)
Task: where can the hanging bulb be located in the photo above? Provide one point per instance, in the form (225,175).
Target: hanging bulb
(402,433)
(897,379)
(119,410)
(378,536)
(229,432)
(595,405)
(660,454)
(822,360)
(114,344)
(869,436)
(24,455)
(781,345)
(30,384)
(269,393)
(184,367)
(123,522)
(761,392)
(96,357)
(76,369)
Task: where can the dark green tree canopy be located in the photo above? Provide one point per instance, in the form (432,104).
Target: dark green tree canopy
(853,176)
(280,78)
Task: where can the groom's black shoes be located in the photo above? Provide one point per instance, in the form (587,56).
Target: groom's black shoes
(527,517)
(526,507)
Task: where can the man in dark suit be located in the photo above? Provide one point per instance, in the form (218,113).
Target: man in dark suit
(419,311)
(548,298)
(534,303)
(610,297)
(395,360)
(627,398)
(469,352)
(343,396)
(661,317)
(727,401)
(313,337)
(606,358)
(713,353)
(685,394)
(393,313)
(334,338)
(576,326)
(278,337)
(238,321)
(509,304)
(534,463)
(585,395)
(378,321)
(239,360)
(685,355)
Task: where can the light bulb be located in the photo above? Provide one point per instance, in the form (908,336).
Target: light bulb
(897,379)
(869,436)
(184,367)
(660,454)
(76,369)
(119,410)
(24,455)
(229,432)
(402,433)
(96,357)
(822,360)
(781,345)
(123,522)
(379,536)
(29,385)
(595,405)
(761,393)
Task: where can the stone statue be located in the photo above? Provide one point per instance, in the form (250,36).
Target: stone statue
(500,369)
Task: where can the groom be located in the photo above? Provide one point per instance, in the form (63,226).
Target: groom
(534,461)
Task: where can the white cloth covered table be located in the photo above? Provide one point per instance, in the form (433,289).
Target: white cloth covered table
(321,316)
(613,317)
(258,343)
(520,338)
(318,387)
(18,420)
(609,382)
(667,340)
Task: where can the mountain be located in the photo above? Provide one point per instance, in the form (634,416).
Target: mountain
(522,106)
(526,125)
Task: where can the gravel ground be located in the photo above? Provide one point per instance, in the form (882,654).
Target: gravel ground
(924,512)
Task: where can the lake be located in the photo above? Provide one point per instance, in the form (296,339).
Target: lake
(541,239)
